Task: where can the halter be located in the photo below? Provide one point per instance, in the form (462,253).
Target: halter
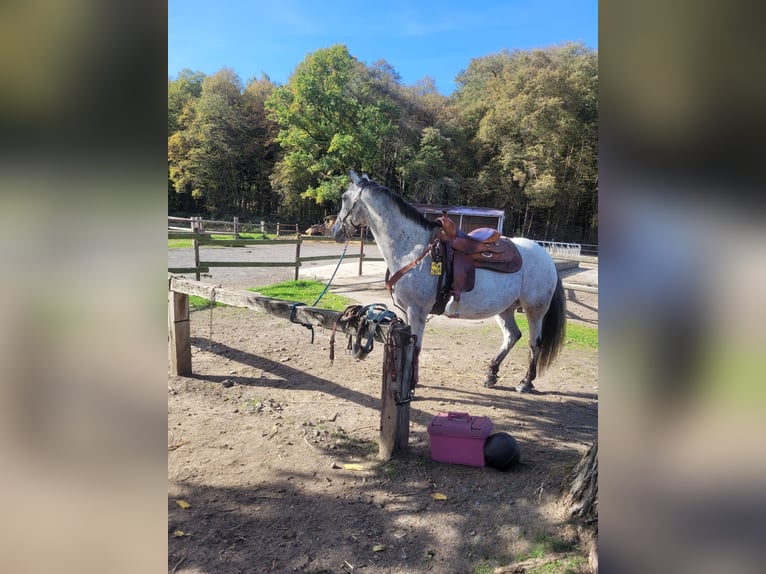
(350,209)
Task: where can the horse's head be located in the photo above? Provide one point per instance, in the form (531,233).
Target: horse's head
(352,215)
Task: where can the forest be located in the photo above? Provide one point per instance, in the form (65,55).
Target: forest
(519,133)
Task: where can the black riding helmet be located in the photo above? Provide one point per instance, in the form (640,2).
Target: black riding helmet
(501,451)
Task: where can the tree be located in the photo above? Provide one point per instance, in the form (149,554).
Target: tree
(223,151)
(260,151)
(186,87)
(427,172)
(330,119)
(581,499)
(534,118)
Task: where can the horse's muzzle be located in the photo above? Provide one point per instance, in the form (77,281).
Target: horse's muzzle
(339,232)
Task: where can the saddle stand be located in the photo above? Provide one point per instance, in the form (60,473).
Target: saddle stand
(462,253)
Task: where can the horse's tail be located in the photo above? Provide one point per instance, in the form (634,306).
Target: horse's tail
(554,328)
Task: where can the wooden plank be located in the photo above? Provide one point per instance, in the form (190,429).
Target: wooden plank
(581,258)
(329,257)
(247,263)
(250,300)
(179,334)
(186,235)
(206,240)
(188,269)
(297,258)
(195,244)
(395,419)
(579,287)
(325,239)
(388,417)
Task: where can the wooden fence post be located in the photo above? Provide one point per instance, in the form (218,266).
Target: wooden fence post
(297,257)
(263,228)
(395,419)
(361,254)
(179,334)
(195,243)
(277,228)
(236,227)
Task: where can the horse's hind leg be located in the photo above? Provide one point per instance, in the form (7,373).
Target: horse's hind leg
(511,334)
(535,320)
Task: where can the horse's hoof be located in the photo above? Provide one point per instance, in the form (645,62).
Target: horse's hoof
(490,382)
(525,387)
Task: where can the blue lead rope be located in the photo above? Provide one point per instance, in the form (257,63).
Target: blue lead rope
(331,276)
(294,305)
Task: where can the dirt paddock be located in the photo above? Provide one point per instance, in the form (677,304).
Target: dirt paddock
(275,451)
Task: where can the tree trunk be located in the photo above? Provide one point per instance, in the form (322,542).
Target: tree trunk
(581,499)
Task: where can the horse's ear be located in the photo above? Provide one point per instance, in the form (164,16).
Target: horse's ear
(353,176)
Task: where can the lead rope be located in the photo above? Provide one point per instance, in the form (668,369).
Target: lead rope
(342,255)
(309,326)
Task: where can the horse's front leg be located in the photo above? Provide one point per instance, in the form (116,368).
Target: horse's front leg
(511,334)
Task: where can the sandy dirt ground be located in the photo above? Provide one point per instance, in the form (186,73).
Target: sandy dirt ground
(274,449)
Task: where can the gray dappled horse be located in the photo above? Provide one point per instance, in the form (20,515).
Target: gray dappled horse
(405,237)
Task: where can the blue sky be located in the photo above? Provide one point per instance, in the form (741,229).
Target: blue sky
(417,38)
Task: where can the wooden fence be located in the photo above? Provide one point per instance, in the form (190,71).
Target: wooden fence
(579,259)
(201,266)
(234,227)
(395,414)
(560,251)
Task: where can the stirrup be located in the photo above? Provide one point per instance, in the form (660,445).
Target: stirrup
(455,308)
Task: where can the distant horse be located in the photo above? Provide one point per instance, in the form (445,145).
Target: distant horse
(406,240)
(317,229)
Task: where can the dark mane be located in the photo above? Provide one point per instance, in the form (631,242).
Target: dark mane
(405,208)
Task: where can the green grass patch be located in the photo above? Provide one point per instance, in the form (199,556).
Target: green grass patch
(179,243)
(391,469)
(187,243)
(571,565)
(484,568)
(582,336)
(577,336)
(545,543)
(197,303)
(258,236)
(305,291)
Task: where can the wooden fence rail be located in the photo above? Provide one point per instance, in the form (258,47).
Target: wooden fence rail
(221,227)
(204,266)
(394,419)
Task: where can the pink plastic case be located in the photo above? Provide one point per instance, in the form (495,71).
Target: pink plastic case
(458,438)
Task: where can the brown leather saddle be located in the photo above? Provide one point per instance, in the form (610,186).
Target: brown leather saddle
(462,253)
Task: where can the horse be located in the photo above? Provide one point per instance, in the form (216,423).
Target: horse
(317,229)
(405,239)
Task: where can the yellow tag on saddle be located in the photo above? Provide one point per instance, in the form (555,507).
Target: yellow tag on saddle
(436,267)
